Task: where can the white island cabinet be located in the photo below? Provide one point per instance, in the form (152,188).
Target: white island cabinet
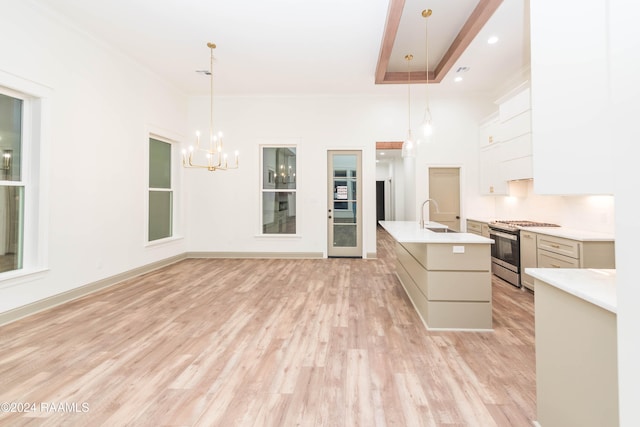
(447,275)
(576,347)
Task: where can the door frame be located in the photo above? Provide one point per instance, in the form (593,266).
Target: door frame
(423,171)
(348,252)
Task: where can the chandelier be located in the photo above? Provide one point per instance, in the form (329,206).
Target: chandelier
(212,158)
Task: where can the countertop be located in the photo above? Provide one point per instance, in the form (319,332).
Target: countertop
(410,232)
(567,233)
(486,220)
(571,233)
(597,286)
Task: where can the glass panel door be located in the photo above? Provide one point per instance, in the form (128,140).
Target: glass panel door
(345,205)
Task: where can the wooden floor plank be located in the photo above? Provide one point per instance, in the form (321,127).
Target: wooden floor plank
(265,342)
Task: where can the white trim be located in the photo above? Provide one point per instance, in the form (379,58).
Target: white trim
(276,143)
(171,138)
(256,255)
(17,277)
(34,173)
(75,293)
(165,241)
(284,236)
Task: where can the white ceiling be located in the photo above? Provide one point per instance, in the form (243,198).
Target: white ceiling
(295,46)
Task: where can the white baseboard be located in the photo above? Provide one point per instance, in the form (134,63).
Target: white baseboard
(268,255)
(55,300)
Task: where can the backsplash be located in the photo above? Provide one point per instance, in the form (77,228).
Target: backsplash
(593,213)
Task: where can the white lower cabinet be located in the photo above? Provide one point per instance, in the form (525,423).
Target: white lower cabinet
(478,227)
(558,252)
(544,251)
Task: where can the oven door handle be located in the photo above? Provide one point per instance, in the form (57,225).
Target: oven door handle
(505,235)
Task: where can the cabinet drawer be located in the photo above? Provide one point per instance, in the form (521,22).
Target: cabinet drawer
(548,259)
(485,230)
(451,257)
(458,286)
(570,248)
(458,315)
(474,227)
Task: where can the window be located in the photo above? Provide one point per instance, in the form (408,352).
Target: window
(12,186)
(278,190)
(160,190)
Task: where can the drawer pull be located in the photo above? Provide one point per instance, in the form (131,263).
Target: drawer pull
(555,266)
(555,246)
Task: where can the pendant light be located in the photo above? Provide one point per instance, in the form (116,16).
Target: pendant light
(427,126)
(409,146)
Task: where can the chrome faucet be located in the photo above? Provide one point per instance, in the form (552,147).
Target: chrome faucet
(422,210)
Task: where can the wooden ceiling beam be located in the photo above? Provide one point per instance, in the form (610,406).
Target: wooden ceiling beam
(477,19)
(480,15)
(394,13)
(389,145)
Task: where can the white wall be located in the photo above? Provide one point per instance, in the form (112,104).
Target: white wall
(103,106)
(593,213)
(221,221)
(101,110)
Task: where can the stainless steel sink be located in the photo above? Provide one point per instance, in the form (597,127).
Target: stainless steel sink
(441,230)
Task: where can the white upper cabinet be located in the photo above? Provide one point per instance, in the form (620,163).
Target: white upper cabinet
(570,98)
(492,182)
(489,131)
(518,102)
(505,143)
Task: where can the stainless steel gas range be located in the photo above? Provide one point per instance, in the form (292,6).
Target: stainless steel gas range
(505,251)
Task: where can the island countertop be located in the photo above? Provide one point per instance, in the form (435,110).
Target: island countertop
(598,286)
(410,232)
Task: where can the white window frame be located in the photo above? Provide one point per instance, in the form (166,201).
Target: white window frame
(34,169)
(288,190)
(175,179)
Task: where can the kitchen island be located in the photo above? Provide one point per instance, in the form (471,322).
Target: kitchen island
(447,275)
(576,346)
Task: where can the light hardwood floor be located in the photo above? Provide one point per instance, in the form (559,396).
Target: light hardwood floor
(224,342)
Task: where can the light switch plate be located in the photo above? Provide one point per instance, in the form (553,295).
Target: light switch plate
(458,249)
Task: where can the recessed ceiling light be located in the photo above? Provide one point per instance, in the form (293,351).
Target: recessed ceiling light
(493,40)
(458,79)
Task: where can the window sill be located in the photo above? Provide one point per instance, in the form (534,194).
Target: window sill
(162,242)
(16,277)
(278,236)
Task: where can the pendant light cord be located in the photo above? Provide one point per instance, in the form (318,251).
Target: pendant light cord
(426,14)
(211,102)
(409,57)
(426,43)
